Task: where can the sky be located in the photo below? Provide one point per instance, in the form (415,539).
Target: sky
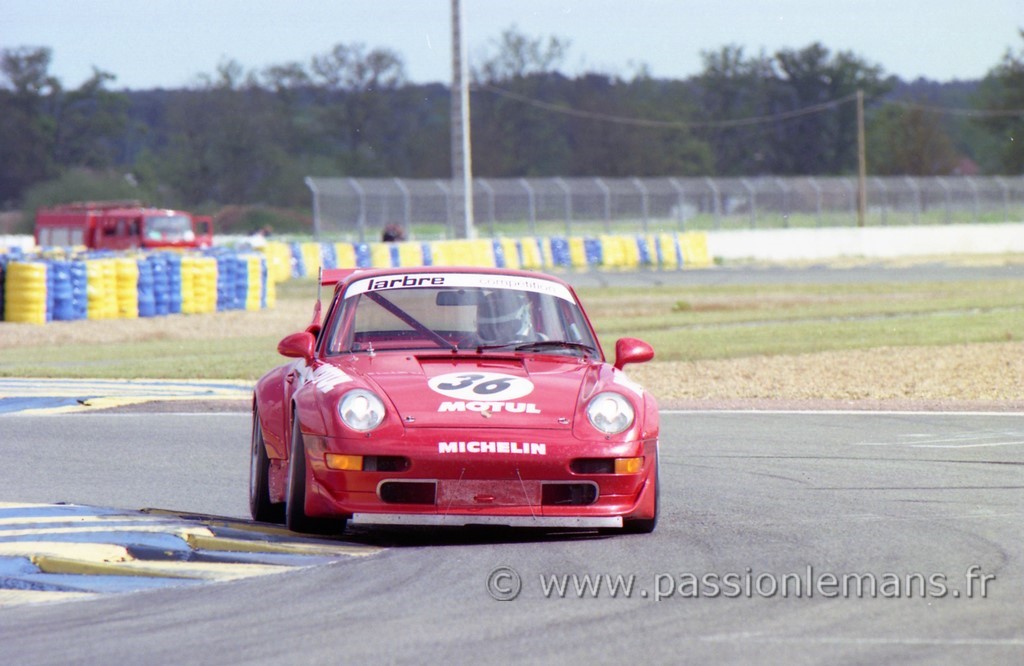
(171,43)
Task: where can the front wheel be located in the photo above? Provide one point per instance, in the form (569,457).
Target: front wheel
(298,478)
(260,506)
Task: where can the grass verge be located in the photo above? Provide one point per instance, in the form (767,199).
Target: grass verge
(683,323)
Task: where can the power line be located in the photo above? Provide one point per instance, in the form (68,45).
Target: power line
(669,124)
(643,122)
(953,111)
(737,122)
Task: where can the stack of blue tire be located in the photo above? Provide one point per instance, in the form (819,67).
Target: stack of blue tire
(226,280)
(147,289)
(173,263)
(67,286)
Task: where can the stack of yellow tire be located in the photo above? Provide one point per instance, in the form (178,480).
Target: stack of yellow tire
(127,272)
(189,269)
(25,292)
(206,284)
(254,281)
(101,289)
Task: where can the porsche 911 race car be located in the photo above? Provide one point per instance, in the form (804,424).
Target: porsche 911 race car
(453,396)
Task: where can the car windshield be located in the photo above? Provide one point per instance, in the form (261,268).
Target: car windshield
(459,311)
(169,228)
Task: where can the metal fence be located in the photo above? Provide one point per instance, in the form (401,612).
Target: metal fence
(360,208)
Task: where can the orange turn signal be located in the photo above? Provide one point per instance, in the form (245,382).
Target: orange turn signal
(344,463)
(628,465)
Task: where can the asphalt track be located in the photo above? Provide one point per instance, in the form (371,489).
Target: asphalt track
(924,509)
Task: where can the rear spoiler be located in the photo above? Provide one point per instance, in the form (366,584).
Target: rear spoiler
(332,276)
(328,277)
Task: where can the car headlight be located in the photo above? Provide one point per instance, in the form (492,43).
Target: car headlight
(361,410)
(610,413)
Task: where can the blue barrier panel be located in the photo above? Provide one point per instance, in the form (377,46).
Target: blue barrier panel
(499,253)
(329,257)
(60,298)
(364,259)
(396,259)
(560,255)
(3,273)
(298,264)
(51,276)
(147,289)
(161,284)
(264,272)
(242,286)
(79,289)
(593,251)
(225,282)
(428,254)
(173,282)
(644,250)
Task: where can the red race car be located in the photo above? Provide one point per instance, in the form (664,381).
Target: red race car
(453,396)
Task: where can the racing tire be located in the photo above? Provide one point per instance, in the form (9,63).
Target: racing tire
(295,508)
(646,525)
(260,506)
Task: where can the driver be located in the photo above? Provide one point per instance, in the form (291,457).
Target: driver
(504,316)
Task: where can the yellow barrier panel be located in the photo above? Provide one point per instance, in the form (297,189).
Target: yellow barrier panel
(127,272)
(189,268)
(615,251)
(510,248)
(439,252)
(311,258)
(279,261)
(345,253)
(694,247)
(206,285)
(533,257)
(254,281)
(410,253)
(463,253)
(101,289)
(271,293)
(380,255)
(577,252)
(25,292)
(666,245)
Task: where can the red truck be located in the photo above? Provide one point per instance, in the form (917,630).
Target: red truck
(120,225)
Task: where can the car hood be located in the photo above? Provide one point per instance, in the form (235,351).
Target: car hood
(481,391)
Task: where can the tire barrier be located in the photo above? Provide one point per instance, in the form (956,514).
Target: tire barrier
(38,289)
(663,251)
(25,292)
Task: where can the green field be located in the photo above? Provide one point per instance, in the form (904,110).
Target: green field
(683,323)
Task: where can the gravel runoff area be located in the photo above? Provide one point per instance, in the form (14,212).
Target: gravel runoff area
(981,377)
(984,377)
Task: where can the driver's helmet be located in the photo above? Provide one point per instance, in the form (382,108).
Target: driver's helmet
(503,315)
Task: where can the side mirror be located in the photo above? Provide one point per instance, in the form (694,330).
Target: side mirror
(631,350)
(297,345)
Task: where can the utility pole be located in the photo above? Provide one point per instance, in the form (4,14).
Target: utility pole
(462,163)
(862,169)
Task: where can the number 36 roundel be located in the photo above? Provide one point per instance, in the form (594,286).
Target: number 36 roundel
(481,386)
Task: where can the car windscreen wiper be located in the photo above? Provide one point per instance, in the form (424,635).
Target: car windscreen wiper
(539,345)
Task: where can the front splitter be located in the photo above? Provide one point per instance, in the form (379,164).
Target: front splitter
(464,520)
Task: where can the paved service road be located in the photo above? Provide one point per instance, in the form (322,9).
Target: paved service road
(899,504)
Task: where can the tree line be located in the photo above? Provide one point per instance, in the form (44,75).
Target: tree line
(245,138)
